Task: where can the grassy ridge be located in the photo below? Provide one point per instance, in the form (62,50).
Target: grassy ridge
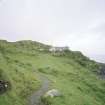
(71,73)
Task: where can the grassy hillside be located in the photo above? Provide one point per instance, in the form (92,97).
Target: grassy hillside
(72,73)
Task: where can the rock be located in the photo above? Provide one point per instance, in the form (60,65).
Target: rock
(53,93)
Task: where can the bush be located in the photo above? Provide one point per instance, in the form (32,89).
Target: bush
(46,100)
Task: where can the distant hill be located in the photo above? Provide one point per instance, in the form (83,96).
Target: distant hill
(75,75)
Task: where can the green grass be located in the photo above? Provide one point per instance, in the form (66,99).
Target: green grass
(23,80)
(71,73)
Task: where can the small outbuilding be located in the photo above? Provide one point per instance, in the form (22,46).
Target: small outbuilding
(60,49)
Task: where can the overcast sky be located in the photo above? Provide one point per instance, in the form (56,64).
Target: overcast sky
(79,24)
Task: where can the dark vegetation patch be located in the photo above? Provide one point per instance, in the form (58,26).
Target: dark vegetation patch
(1,74)
(46,100)
(4,86)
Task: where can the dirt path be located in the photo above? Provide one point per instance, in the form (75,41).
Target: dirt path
(35,98)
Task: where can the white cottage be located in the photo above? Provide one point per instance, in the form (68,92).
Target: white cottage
(54,49)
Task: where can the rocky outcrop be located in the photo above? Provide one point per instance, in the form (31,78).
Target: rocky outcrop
(101,71)
(53,93)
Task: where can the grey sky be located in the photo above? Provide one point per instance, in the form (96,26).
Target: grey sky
(79,24)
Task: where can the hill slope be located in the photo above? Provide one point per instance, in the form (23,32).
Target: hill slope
(70,72)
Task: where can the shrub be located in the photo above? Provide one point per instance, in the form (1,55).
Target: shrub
(46,100)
